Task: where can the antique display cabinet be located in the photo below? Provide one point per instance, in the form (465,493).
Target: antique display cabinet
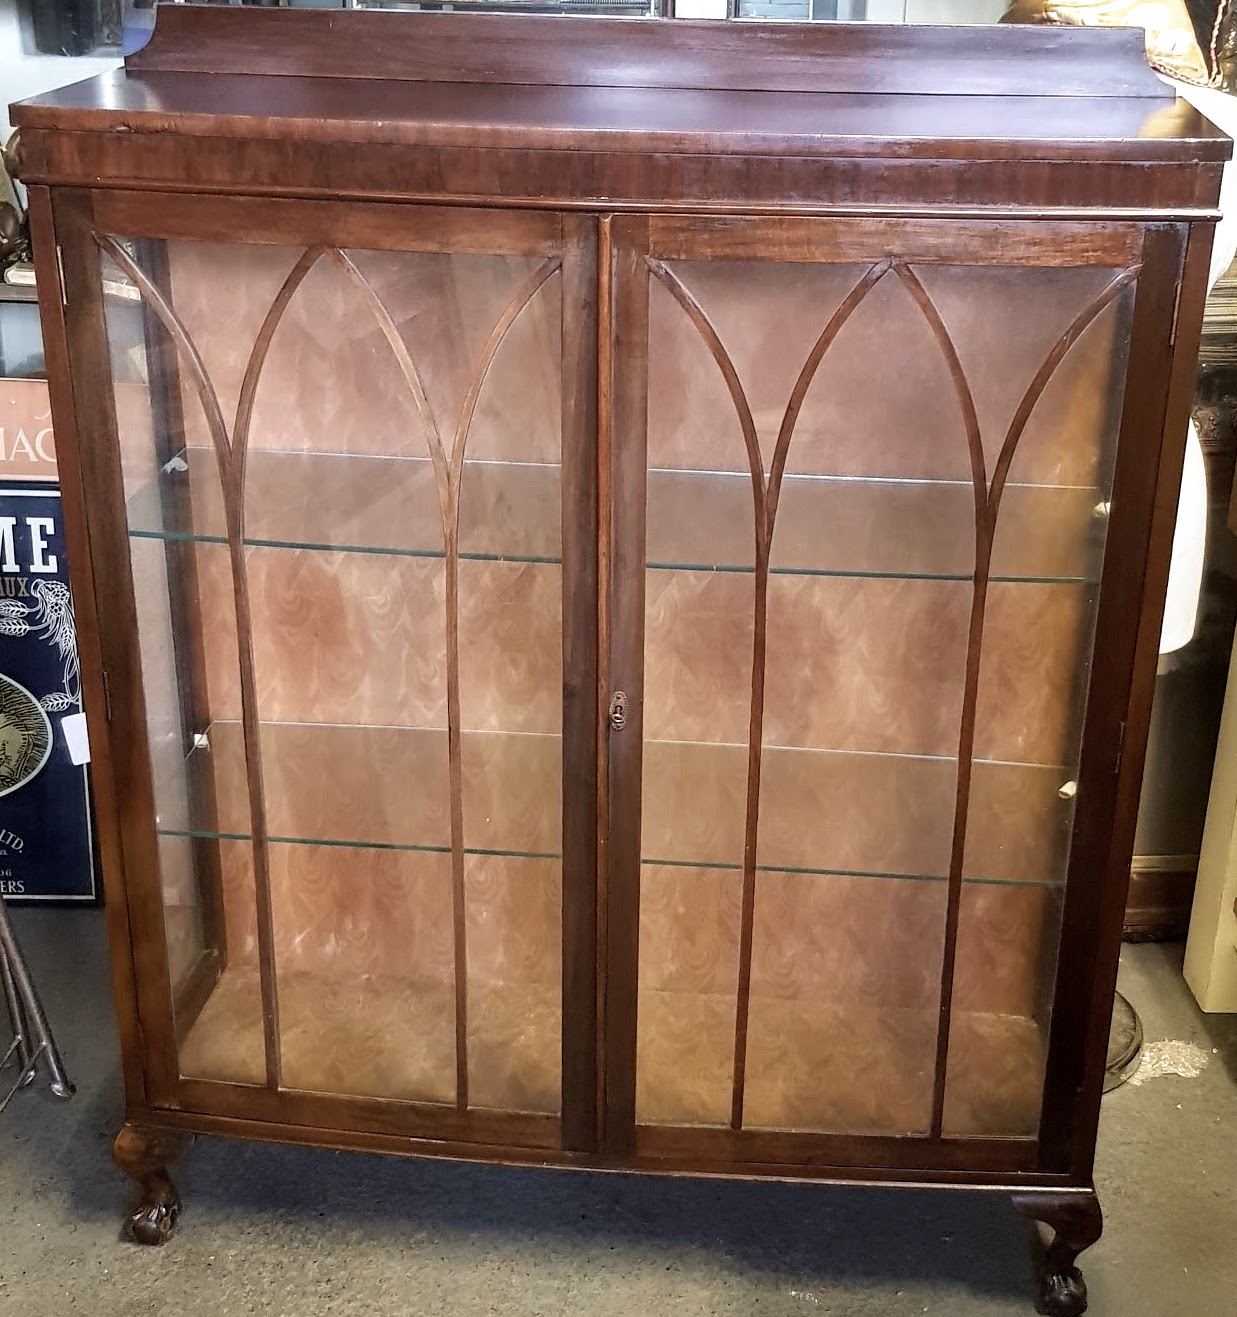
(619,574)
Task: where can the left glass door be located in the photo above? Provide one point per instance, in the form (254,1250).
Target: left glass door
(354,453)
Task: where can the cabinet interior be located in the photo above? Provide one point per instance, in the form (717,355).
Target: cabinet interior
(398,527)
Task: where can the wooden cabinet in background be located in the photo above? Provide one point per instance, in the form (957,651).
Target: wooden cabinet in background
(620,588)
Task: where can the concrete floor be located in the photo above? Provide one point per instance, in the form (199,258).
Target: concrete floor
(287,1231)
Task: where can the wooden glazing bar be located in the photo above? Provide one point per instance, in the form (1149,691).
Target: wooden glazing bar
(762,530)
(448,504)
(766,495)
(456,797)
(747,914)
(975,632)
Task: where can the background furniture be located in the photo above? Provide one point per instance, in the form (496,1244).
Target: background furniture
(620,590)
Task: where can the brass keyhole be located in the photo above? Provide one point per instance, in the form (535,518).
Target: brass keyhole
(618,710)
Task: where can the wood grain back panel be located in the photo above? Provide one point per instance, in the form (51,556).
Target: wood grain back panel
(590,52)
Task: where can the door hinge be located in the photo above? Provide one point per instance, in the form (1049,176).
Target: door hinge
(1116,768)
(107,696)
(64,288)
(618,710)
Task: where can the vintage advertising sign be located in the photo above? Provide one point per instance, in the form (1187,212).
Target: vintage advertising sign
(46,850)
(27,451)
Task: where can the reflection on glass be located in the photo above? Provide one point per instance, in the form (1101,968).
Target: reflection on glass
(600,8)
(872,11)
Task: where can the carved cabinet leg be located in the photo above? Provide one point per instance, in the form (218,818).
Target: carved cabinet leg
(1076,1222)
(145,1155)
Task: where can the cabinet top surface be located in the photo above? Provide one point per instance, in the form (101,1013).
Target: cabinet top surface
(646,85)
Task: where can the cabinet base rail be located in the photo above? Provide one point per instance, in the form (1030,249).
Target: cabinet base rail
(1072,1214)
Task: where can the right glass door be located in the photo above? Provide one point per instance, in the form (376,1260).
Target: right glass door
(875,480)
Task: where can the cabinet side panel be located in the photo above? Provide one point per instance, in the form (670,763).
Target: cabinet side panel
(88,606)
(99,463)
(1145,488)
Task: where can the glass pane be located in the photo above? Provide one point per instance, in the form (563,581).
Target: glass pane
(206,882)
(601,8)
(875,11)
(1033,675)
(398,640)
(843,820)
(1007,938)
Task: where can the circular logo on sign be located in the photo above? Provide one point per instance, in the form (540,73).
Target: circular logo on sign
(25,736)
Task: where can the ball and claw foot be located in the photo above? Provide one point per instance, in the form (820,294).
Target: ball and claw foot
(144,1154)
(1076,1222)
(1062,1293)
(155,1217)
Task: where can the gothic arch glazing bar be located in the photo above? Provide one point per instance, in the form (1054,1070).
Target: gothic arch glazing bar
(448,471)
(229,456)
(987,508)
(765,497)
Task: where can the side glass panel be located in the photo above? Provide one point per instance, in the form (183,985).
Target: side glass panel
(876,510)
(342,473)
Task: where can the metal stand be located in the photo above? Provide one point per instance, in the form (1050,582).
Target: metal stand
(32,1039)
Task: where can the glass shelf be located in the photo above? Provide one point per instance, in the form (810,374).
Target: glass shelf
(873,528)
(826,526)
(370,788)
(658,863)
(970,879)
(206,835)
(386,789)
(853,813)
(341,502)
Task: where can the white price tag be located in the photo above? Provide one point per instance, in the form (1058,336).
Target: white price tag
(74,728)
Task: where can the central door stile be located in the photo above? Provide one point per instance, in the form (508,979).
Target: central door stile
(625,436)
(580,425)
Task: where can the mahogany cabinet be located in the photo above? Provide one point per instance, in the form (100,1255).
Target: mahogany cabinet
(619,572)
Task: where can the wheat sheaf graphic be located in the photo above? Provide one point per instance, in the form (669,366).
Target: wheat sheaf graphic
(51,616)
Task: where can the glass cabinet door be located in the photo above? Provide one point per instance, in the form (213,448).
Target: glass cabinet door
(346,459)
(873,463)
